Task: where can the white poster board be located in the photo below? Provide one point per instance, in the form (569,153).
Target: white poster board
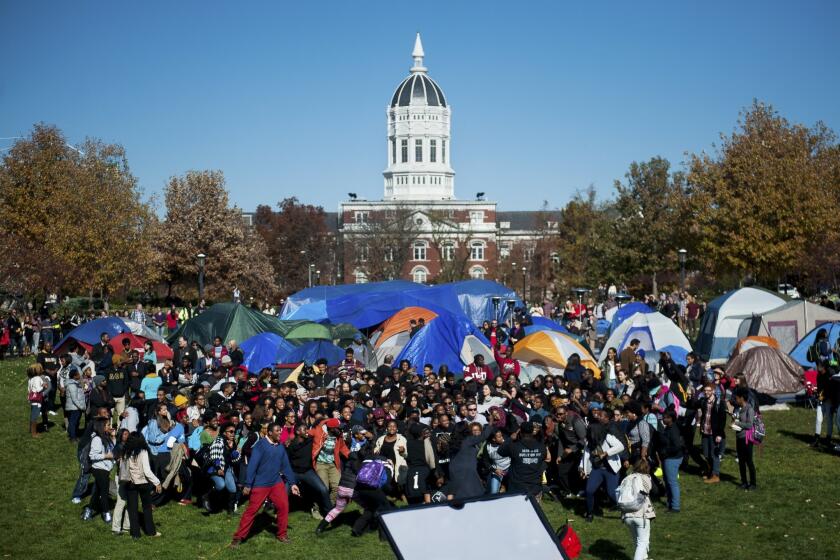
(502,526)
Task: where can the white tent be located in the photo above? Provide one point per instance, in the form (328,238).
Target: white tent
(723,317)
(788,323)
(654,331)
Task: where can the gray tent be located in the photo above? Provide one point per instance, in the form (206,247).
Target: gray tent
(789,323)
(768,370)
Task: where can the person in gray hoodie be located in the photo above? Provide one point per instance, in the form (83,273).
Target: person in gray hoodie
(744,420)
(101,463)
(74,403)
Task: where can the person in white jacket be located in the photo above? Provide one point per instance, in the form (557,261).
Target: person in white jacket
(639,521)
(140,481)
(601,462)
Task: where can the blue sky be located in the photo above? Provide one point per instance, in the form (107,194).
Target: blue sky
(288,98)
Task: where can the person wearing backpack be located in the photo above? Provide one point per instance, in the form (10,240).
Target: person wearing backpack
(744,416)
(373,476)
(360,449)
(636,509)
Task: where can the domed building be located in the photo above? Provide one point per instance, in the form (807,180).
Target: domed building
(419,230)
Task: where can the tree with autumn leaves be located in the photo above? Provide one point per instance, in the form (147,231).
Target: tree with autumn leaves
(199,219)
(72,218)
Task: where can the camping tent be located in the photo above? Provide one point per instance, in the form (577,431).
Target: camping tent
(264,350)
(448,339)
(162,351)
(89,333)
(142,330)
(654,331)
(788,323)
(312,351)
(626,311)
(230,321)
(750,342)
(768,370)
(800,352)
(399,322)
(367,305)
(723,317)
(551,349)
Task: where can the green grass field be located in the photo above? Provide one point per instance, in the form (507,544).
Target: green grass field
(795,513)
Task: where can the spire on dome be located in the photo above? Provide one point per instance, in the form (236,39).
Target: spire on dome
(418,55)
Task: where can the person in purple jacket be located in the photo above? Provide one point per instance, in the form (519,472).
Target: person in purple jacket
(268,462)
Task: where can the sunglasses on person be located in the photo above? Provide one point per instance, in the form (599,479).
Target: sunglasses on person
(472,409)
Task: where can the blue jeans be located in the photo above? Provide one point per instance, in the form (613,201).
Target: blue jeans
(494,484)
(73,419)
(672,484)
(713,452)
(228,482)
(596,478)
(312,481)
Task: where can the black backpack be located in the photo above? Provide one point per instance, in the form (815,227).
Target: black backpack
(84,457)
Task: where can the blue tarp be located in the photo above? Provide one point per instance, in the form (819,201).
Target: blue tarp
(90,332)
(602,328)
(265,350)
(440,342)
(365,305)
(626,311)
(800,351)
(312,351)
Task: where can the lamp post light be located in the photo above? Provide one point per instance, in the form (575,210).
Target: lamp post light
(682,254)
(524,271)
(311,269)
(317,277)
(201,258)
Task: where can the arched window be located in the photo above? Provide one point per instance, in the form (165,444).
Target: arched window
(420,250)
(478,273)
(477,250)
(420,274)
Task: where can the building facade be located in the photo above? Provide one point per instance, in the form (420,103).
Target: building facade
(419,230)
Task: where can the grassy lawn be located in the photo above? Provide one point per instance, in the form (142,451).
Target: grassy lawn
(795,513)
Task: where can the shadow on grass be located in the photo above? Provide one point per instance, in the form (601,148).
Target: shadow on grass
(804,438)
(607,550)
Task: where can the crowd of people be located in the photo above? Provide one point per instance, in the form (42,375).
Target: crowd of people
(203,430)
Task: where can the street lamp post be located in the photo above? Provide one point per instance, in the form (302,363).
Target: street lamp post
(682,255)
(524,270)
(311,268)
(201,258)
(317,277)
(496,301)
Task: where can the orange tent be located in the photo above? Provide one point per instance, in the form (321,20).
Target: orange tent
(749,342)
(398,322)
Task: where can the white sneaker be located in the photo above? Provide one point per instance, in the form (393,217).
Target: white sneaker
(51,412)
(76,500)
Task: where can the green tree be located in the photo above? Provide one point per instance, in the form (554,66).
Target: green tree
(650,220)
(762,200)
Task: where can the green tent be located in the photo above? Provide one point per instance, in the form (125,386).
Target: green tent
(309,331)
(230,321)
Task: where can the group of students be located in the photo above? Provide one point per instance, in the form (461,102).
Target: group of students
(338,434)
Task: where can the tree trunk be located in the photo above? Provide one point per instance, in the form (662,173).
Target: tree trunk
(654,286)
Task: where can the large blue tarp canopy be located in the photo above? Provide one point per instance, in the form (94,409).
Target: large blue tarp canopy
(440,342)
(265,350)
(90,332)
(365,305)
(312,351)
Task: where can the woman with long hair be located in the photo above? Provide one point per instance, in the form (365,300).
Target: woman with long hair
(610,367)
(101,457)
(136,473)
(224,460)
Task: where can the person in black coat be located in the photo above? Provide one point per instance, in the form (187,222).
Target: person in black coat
(671,456)
(711,422)
(463,465)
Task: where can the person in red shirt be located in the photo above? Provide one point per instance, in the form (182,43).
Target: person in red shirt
(507,365)
(478,371)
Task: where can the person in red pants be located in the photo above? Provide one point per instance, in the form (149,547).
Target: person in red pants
(268,462)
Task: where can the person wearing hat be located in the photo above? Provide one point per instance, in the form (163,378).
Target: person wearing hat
(328,451)
(100,397)
(529,458)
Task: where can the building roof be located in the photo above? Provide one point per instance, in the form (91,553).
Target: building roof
(519,219)
(418,89)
